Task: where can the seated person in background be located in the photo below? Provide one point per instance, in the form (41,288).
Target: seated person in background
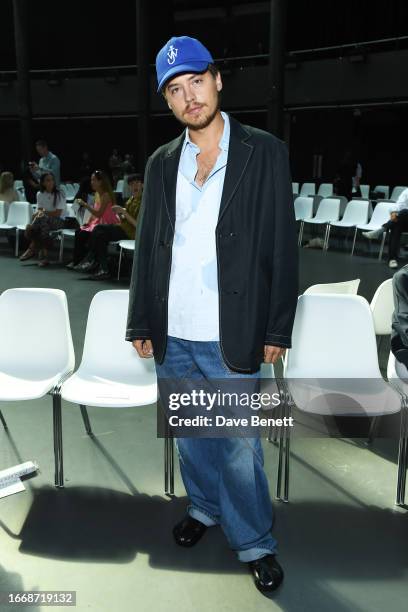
(399,333)
(86,194)
(50,216)
(96,260)
(102,212)
(7,192)
(397,224)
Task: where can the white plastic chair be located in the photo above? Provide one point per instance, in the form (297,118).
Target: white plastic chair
(365,191)
(346,287)
(356,213)
(119,186)
(325,190)
(396,192)
(295,188)
(19,216)
(383,189)
(380,216)
(333,368)
(2,212)
(18,184)
(308,189)
(397,375)
(36,352)
(127,245)
(111,374)
(328,211)
(382,307)
(303,210)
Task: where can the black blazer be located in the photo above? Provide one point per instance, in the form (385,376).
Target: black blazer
(256,246)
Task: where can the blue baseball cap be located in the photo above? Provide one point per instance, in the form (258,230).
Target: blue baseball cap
(181,54)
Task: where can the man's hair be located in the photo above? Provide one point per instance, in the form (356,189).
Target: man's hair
(134,177)
(41,143)
(212,69)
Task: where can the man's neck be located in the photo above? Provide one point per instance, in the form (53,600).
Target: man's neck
(210,136)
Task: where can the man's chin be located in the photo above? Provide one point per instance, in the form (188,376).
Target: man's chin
(200,122)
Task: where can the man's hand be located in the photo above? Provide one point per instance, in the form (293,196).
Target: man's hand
(394,216)
(273,353)
(144,348)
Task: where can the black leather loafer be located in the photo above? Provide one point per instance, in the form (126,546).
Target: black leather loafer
(188,531)
(267,573)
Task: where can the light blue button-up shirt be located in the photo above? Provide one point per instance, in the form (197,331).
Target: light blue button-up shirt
(193,291)
(52,164)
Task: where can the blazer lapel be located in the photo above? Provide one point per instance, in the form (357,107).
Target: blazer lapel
(170,162)
(239,153)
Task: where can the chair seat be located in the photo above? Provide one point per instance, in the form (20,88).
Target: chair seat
(317,221)
(368,227)
(15,388)
(95,390)
(342,224)
(127,244)
(6,226)
(344,397)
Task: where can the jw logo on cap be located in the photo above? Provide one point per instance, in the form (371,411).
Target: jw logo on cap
(171,55)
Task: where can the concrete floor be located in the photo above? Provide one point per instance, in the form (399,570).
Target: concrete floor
(107,535)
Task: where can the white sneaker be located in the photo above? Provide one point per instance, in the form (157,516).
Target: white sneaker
(373,234)
(393,263)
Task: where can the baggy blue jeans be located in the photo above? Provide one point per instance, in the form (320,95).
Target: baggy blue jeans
(224,477)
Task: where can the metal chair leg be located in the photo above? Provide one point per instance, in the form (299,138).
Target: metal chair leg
(402,455)
(372,432)
(168,460)
(2,419)
(327,236)
(61,249)
(86,420)
(17,241)
(354,242)
(58,451)
(120,262)
(302,224)
(380,254)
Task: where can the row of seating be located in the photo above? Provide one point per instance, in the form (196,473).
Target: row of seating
(69,189)
(325,190)
(20,215)
(358,215)
(332,369)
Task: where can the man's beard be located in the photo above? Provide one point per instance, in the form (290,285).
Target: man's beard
(205,121)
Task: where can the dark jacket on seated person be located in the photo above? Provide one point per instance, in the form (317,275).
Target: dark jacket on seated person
(399,332)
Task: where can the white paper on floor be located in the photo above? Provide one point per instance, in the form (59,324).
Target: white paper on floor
(10,482)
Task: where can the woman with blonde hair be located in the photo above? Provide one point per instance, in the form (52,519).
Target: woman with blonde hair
(7,192)
(101,212)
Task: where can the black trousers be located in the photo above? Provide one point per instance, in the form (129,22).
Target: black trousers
(396,228)
(82,240)
(101,236)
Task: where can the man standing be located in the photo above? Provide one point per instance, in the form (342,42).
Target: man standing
(214,288)
(48,162)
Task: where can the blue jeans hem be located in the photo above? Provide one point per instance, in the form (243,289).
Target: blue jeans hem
(202,516)
(257,552)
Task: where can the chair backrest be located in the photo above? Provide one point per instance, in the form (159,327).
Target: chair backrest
(2,212)
(365,191)
(303,208)
(119,186)
(333,337)
(295,188)
(325,190)
(382,307)
(19,213)
(308,189)
(356,212)
(106,352)
(18,183)
(329,209)
(35,334)
(396,192)
(381,213)
(397,374)
(383,189)
(347,287)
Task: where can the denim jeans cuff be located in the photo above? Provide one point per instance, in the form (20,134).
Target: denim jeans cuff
(257,552)
(202,516)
